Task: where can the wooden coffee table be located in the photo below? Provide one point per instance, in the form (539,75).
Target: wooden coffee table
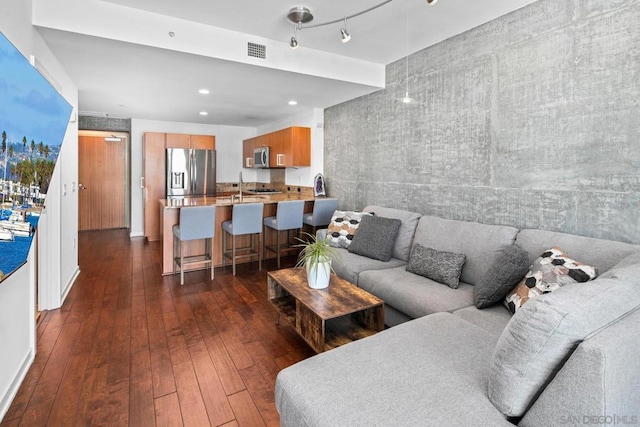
(325,318)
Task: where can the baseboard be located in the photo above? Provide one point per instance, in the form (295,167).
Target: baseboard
(69,285)
(136,234)
(6,400)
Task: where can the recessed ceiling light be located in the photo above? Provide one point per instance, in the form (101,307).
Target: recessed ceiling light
(204,91)
(203,113)
(293,102)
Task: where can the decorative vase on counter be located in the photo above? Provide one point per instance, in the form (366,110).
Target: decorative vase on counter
(318,274)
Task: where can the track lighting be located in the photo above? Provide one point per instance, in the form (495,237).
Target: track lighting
(293,44)
(302,15)
(344,34)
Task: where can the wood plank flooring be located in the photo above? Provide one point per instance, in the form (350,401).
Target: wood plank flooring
(130,347)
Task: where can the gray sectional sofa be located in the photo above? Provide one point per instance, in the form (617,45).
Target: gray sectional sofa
(568,357)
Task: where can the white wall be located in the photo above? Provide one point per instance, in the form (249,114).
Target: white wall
(313,119)
(229,157)
(58,228)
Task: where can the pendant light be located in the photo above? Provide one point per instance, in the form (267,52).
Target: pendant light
(407,99)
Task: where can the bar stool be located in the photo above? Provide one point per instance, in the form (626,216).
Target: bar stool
(323,210)
(288,217)
(245,219)
(196,222)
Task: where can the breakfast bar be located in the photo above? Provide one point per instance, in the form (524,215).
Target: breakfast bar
(170,214)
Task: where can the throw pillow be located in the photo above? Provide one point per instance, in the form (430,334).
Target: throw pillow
(506,271)
(343,227)
(443,267)
(549,272)
(376,237)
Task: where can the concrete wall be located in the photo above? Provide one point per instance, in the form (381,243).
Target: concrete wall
(530,120)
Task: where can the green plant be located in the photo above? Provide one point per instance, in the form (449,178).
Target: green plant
(315,251)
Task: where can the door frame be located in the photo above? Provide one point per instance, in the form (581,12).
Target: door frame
(127,167)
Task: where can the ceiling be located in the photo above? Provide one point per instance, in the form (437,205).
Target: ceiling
(133,68)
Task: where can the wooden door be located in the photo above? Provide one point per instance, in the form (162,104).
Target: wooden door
(154,182)
(102,171)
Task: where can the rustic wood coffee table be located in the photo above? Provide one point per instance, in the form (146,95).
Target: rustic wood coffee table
(325,318)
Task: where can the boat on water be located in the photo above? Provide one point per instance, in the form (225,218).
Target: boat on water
(6,235)
(17,223)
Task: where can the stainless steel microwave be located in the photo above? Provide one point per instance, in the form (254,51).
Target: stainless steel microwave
(261,157)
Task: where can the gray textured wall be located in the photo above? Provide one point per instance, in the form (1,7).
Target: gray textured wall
(104,123)
(531,120)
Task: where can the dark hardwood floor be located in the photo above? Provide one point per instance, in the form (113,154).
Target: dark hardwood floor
(130,347)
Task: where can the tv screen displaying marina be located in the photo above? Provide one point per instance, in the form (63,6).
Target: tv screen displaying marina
(33,121)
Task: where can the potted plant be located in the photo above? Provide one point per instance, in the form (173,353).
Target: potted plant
(316,256)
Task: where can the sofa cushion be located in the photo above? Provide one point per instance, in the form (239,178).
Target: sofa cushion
(343,227)
(348,265)
(414,295)
(599,253)
(492,319)
(443,267)
(507,270)
(404,240)
(480,243)
(420,373)
(546,330)
(376,237)
(549,272)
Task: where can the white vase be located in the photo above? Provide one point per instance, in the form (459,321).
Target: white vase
(318,275)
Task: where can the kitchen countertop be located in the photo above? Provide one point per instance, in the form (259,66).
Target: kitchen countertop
(225,199)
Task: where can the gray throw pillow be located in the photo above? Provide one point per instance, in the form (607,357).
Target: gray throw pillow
(443,267)
(505,273)
(376,237)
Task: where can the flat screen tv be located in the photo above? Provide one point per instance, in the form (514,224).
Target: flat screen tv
(33,121)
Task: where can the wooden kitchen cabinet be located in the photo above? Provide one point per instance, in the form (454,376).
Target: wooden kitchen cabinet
(153,181)
(290,147)
(154,172)
(199,142)
(247,152)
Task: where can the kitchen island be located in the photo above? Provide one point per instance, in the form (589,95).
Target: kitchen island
(170,215)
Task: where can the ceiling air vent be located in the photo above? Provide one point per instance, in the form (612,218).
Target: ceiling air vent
(257,50)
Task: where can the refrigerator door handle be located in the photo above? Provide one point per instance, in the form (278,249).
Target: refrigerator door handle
(193,172)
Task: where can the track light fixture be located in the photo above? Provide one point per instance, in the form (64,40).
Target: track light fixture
(301,15)
(293,44)
(344,34)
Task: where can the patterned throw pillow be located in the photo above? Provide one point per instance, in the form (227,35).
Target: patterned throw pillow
(343,226)
(442,267)
(549,272)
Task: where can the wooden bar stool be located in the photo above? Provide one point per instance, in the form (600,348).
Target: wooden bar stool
(323,210)
(245,219)
(288,217)
(196,223)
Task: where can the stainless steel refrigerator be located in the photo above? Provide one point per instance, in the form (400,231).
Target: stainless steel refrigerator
(190,172)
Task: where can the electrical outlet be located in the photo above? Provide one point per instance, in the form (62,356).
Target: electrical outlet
(64,189)
(74,242)
(298,189)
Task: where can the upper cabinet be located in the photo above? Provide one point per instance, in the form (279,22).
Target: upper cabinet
(200,142)
(247,152)
(290,147)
